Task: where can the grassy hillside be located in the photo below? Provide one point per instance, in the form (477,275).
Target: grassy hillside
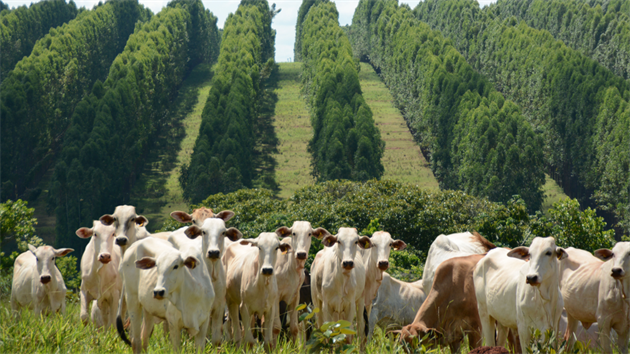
(158,191)
(403,160)
(293,129)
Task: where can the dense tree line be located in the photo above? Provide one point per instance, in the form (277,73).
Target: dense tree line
(22,27)
(40,94)
(601,33)
(476,140)
(112,128)
(578,105)
(222,160)
(346,144)
(302,12)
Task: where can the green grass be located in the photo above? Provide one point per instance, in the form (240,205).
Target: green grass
(293,128)
(158,192)
(553,193)
(403,160)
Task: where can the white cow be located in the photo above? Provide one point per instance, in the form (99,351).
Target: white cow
(612,304)
(100,280)
(213,234)
(162,282)
(290,268)
(37,282)
(251,284)
(519,289)
(450,246)
(396,304)
(338,279)
(127,224)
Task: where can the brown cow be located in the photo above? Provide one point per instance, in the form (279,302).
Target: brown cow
(450,309)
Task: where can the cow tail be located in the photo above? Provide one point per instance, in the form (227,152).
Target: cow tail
(119,322)
(367,322)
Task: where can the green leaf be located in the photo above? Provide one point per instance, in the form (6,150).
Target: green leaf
(344,323)
(338,338)
(301,307)
(347,331)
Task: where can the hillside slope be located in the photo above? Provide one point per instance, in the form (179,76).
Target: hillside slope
(403,160)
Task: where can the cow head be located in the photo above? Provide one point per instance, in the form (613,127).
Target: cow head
(543,256)
(125,221)
(45,258)
(301,233)
(347,241)
(620,256)
(103,240)
(197,217)
(268,247)
(382,244)
(430,336)
(170,265)
(213,233)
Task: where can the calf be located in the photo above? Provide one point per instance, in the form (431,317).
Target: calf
(449,312)
(212,245)
(126,222)
(37,282)
(100,279)
(338,279)
(290,268)
(251,284)
(518,289)
(449,246)
(612,302)
(161,282)
(396,304)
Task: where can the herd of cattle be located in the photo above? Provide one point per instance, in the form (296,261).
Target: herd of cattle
(190,278)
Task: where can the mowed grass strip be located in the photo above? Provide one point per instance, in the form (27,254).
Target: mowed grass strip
(292,123)
(403,160)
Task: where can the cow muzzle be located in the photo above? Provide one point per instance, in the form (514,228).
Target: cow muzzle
(159,293)
(532,280)
(214,254)
(122,241)
(301,256)
(383,265)
(348,265)
(617,273)
(45,279)
(104,258)
(267,271)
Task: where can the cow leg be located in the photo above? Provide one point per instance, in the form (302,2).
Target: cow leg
(15,306)
(524,336)
(569,332)
(216,319)
(604,334)
(350,315)
(200,337)
(487,326)
(246,319)
(372,323)
(622,335)
(86,299)
(135,316)
(326,314)
(268,325)
(147,329)
(292,316)
(502,333)
(176,337)
(236,330)
(360,307)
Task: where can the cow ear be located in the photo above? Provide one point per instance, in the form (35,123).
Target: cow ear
(225,215)
(192,232)
(181,216)
(561,253)
(141,221)
(32,248)
(521,252)
(399,245)
(329,240)
(604,254)
(364,242)
(320,233)
(284,247)
(107,219)
(63,251)
(233,234)
(84,232)
(250,242)
(283,232)
(145,263)
(191,262)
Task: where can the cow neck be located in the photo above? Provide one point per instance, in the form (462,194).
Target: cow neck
(215,268)
(624,285)
(189,306)
(373,273)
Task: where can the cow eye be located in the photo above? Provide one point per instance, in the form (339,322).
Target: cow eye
(548,253)
(356,242)
(53,259)
(294,233)
(310,233)
(176,267)
(133,219)
(277,248)
(203,232)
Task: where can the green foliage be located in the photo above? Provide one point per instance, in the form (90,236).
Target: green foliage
(346,144)
(41,93)
(406,265)
(331,338)
(579,106)
(222,160)
(68,267)
(299,27)
(17,223)
(23,26)
(112,129)
(572,227)
(476,140)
